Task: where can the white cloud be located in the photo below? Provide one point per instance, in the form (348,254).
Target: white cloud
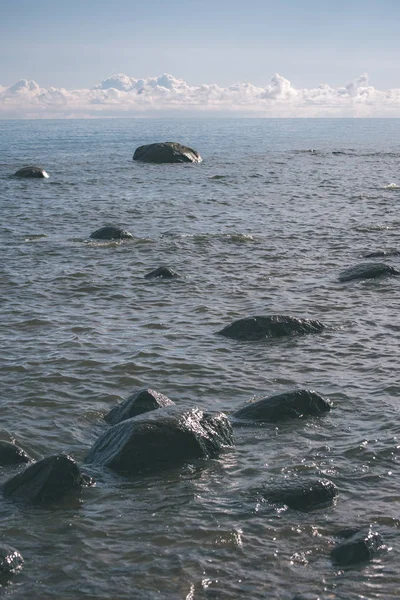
(121,95)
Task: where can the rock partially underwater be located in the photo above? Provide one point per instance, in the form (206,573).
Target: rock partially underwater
(166,152)
(48,480)
(161,438)
(138,403)
(32,172)
(368,271)
(289,405)
(273,326)
(302,494)
(11,454)
(358,546)
(109,233)
(162,272)
(381,253)
(11,561)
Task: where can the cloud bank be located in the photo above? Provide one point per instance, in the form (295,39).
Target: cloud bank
(121,95)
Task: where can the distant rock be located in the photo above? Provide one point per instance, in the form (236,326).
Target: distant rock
(359,546)
(45,481)
(11,561)
(32,172)
(301,494)
(274,326)
(162,272)
(381,253)
(166,152)
(11,454)
(140,402)
(111,233)
(289,405)
(367,271)
(307,597)
(161,438)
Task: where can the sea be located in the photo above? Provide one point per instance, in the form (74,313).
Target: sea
(263,226)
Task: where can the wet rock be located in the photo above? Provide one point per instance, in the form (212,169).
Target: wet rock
(163,272)
(302,494)
(32,172)
(273,326)
(161,438)
(306,597)
(381,253)
(166,152)
(367,271)
(289,405)
(11,561)
(360,546)
(140,402)
(11,454)
(110,233)
(45,481)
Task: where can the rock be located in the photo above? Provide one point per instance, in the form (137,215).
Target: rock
(45,481)
(306,597)
(11,561)
(289,405)
(166,152)
(10,454)
(274,326)
(33,172)
(140,402)
(161,438)
(367,271)
(359,546)
(110,232)
(380,253)
(163,272)
(303,494)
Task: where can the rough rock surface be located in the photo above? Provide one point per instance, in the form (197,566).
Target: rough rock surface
(110,232)
(45,481)
(161,438)
(140,402)
(11,454)
(359,546)
(273,326)
(11,560)
(163,272)
(32,172)
(302,494)
(166,152)
(367,271)
(289,405)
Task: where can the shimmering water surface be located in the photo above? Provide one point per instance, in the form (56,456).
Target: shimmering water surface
(262,226)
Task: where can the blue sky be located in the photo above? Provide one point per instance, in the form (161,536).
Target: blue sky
(76,44)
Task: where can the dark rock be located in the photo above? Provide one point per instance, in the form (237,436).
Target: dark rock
(380,253)
(32,172)
(303,494)
(10,454)
(306,597)
(289,405)
(163,272)
(274,326)
(166,152)
(140,402)
(11,561)
(161,438)
(110,233)
(361,546)
(367,271)
(45,481)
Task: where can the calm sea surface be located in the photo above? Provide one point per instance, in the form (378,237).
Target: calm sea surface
(262,226)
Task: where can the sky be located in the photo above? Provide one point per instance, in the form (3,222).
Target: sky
(249,57)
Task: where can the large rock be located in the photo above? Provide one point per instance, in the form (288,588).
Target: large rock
(47,480)
(289,405)
(140,402)
(359,546)
(11,561)
(11,454)
(32,172)
(367,271)
(162,272)
(161,438)
(166,152)
(110,233)
(274,326)
(302,494)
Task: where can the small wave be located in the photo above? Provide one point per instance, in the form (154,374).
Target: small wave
(391,186)
(35,238)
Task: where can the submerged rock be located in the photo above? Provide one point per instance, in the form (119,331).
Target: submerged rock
(163,272)
(359,546)
(32,172)
(307,597)
(274,326)
(302,494)
(11,561)
(11,454)
(161,438)
(140,402)
(367,271)
(110,232)
(166,152)
(47,480)
(380,253)
(289,405)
